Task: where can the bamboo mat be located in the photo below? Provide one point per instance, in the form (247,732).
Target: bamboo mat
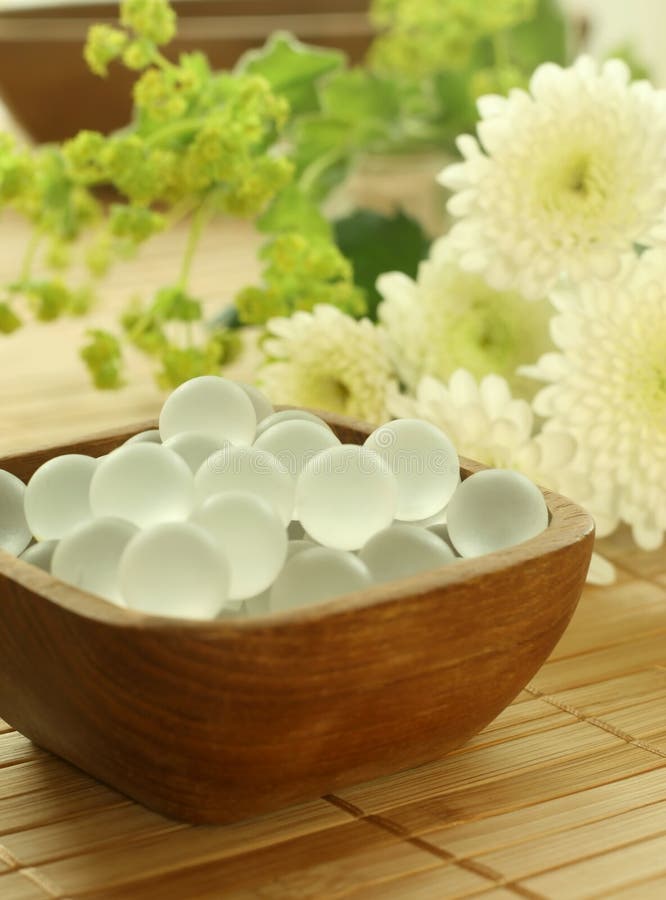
(563,796)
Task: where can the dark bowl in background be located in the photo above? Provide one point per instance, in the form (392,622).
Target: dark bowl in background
(49,90)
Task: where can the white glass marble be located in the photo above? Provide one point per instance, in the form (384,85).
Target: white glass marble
(145,484)
(494,509)
(40,554)
(295,442)
(288,415)
(210,405)
(403,550)
(252,536)
(146,437)
(175,569)
(262,405)
(424,462)
(15,535)
(247,469)
(57,496)
(318,574)
(345,495)
(194,447)
(89,556)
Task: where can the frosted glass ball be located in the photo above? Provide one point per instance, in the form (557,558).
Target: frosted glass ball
(494,509)
(57,496)
(262,405)
(424,462)
(294,442)
(252,536)
(260,604)
(288,415)
(194,448)
(210,405)
(14,532)
(89,556)
(175,569)
(404,550)
(345,495)
(318,574)
(144,484)
(247,469)
(442,532)
(145,437)
(40,554)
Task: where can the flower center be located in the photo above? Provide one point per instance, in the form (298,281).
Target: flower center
(332,393)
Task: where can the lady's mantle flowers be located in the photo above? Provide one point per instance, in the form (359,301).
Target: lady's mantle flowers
(327,360)
(562,179)
(450,319)
(608,388)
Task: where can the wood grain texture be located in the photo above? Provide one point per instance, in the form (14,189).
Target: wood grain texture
(452,647)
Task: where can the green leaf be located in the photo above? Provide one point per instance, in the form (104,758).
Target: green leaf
(457,104)
(375,244)
(542,39)
(292,210)
(367,104)
(292,68)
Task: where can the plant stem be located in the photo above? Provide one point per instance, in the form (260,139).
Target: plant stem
(196,227)
(501,49)
(317,167)
(174,130)
(29,256)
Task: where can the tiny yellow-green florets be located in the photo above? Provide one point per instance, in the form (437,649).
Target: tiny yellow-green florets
(104,44)
(152,19)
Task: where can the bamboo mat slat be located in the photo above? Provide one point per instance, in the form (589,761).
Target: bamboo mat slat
(562,796)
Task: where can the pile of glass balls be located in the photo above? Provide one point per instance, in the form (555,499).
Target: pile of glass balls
(232,509)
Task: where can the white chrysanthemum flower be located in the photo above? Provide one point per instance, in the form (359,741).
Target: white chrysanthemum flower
(327,360)
(449,319)
(608,388)
(486,423)
(571,175)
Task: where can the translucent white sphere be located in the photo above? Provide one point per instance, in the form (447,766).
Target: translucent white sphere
(247,469)
(288,415)
(318,574)
(345,495)
(260,605)
(252,536)
(403,550)
(57,496)
(40,554)
(195,448)
(146,437)
(89,556)
(262,405)
(14,532)
(442,532)
(175,569)
(210,405)
(295,441)
(144,484)
(494,509)
(424,462)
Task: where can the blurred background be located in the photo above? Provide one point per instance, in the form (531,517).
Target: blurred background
(47,90)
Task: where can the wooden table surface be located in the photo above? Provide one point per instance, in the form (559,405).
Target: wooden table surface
(563,796)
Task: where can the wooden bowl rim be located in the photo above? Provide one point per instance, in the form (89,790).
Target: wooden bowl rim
(569,524)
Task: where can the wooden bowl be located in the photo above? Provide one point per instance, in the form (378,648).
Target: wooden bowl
(215,721)
(46,84)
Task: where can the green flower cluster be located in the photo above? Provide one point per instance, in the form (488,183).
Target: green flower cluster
(425,36)
(300,273)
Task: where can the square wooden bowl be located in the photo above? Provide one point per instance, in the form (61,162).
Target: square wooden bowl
(216,721)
